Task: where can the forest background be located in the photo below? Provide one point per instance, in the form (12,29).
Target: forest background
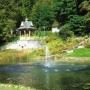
(71,16)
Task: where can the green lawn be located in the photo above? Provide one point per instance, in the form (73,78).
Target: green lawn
(83,52)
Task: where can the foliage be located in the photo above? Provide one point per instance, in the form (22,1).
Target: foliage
(42,14)
(8,20)
(85,7)
(56,45)
(76,13)
(45,33)
(87,45)
(55,24)
(25,6)
(64,8)
(77,24)
(65,32)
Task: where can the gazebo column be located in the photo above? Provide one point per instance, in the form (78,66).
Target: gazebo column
(24,32)
(20,33)
(29,33)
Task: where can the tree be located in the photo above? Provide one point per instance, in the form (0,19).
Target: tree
(85,8)
(77,24)
(64,8)
(7,19)
(42,14)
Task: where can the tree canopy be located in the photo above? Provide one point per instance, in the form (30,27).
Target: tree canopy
(42,14)
(74,13)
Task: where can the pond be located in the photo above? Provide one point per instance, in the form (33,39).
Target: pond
(58,77)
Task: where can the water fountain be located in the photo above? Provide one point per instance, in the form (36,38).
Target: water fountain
(48,60)
(50,64)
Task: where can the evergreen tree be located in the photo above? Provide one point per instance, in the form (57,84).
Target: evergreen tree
(42,14)
(64,8)
(8,13)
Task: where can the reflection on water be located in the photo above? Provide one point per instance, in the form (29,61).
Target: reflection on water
(60,77)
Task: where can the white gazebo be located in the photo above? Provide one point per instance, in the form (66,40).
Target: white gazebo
(26,29)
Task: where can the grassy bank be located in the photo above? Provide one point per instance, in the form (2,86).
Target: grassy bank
(78,56)
(13,56)
(83,52)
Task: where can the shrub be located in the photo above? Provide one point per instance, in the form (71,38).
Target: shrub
(85,37)
(65,32)
(87,45)
(41,33)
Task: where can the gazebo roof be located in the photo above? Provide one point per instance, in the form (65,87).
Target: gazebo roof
(26,25)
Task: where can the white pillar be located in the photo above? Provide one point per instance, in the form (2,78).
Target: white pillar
(24,32)
(20,33)
(29,33)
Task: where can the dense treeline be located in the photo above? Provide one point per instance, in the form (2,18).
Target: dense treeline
(71,15)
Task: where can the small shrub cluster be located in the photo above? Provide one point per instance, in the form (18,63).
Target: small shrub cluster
(65,32)
(44,33)
(87,45)
(56,45)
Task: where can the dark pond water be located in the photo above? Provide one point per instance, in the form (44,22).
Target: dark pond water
(59,77)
